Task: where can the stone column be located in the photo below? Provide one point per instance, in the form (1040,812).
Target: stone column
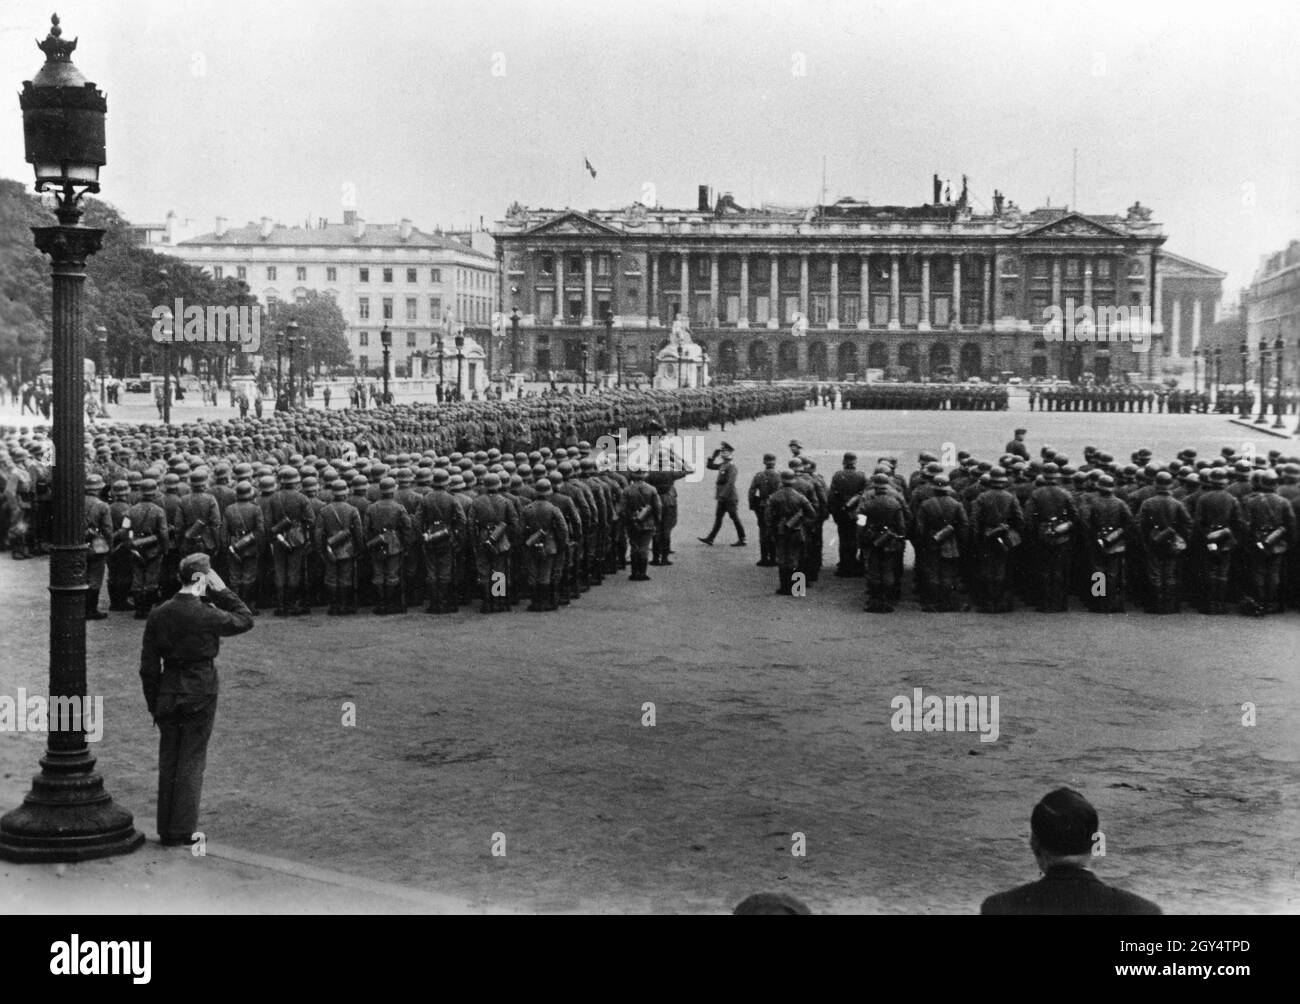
(833,318)
(588,294)
(894,280)
(743,320)
(803,283)
(924,324)
(1087,282)
(954,304)
(1175,328)
(686,285)
(1157,298)
(1056,283)
(561,304)
(995,297)
(774,292)
(864,316)
(1196,324)
(652,263)
(713,287)
(986,308)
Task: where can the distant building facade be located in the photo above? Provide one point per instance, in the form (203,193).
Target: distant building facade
(1271,305)
(380,274)
(930,291)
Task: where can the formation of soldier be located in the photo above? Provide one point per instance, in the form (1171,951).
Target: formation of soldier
(1119,398)
(925,396)
(356,525)
(1218,533)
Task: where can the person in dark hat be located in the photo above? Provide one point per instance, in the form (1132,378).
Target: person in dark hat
(339,541)
(641,511)
(388,532)
(725,495)
(997,528)
(1108,525)
(244,532)
(1063,829)
(147,538)
(545,536)
(942,528)
(1217,532)
(1017,445)
(1052,517)
(99,537)
(179,675)
(1165,528)
(786,517)
(847,488)
(119,557)
(292,526)
(440,525)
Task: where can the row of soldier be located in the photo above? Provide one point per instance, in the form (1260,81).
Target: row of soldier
(1119,398)
(1211,532)
(439,531)
(926,396)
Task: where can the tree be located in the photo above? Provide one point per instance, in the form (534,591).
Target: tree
(320,323)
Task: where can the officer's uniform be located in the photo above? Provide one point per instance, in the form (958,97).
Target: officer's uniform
(724,495)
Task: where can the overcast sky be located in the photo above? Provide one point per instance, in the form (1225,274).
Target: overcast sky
(447,111)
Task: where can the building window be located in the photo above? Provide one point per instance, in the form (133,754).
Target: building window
(820,308)
(1135,267)
(790,267)
(911,310)
(941,311)
(575,264)
(410,339)
(545,308)
(302,273)
(674,266)
(363,275)
(411,308)
(1041,269)
(363,308)
(1103,268)
(703,310)
(791,308)
(363,339)
(701,266)
(388,275)
(331,274)
(270,273)
(733,268)
(241,272)
(762,309)
(602,264)
(217,271)
(880,311)
(435,275)
(410,275)
(1072,268)
(674,305)
(850,309)
(388,308)
(733,309)
(363,363)
(435,308)
(547,262)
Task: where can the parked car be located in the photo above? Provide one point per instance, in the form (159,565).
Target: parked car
(142,384)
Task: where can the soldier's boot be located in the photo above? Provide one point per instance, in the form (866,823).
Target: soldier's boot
(784,583)
(559,594)
(93,612)
(141,601)
(655,559)
(435,600)
(299,606)
(538,599)
(485,600)
(281,610)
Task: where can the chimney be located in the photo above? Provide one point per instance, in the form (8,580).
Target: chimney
(405,229)
(358,227)
(938,191)
(266,227)
(997,203)
(349,217)
(703,204)
(221,226)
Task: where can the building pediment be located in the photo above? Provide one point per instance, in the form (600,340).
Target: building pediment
(572,223)
(1174,266)
(1073,225)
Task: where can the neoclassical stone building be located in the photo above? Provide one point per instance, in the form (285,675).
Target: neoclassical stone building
(832,290)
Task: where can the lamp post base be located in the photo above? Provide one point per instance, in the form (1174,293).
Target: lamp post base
(67,816)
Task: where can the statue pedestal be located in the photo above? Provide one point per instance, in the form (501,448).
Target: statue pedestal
(680,366)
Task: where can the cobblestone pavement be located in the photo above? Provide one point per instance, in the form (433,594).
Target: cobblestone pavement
(772,718)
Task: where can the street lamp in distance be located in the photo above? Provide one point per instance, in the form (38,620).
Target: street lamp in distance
(1262,418)
(584,368)
(1279,347)
(101,339)
(460,364)
(386,340)
(514,339)
(292,337)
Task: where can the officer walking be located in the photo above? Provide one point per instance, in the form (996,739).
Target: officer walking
(724,494)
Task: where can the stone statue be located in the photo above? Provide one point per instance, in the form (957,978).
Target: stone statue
(799,327)
(681,333)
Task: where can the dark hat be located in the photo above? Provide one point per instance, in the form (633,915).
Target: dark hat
(288,475)
(492,482)
(727,447)
(440,476)
(1064,822)
(120,488)
(339,487)
(769,458)
(266,483)
(850,458)
(1164,479)
(880,480)
(198,476)
(359,481)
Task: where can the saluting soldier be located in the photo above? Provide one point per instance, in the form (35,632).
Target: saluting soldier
(245,534)
(339,540)
(725,495)
(666,470)
(440,523)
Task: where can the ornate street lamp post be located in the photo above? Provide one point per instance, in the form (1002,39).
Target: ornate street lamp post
(168,327)
(439,355)
(460,365)
(1196,371)
(101,339)
(1218,373)
(1278,348)
(293,338)
(1262,417)
(386,339)
(67,815)
(1245,375)
(514,340)
(584,368)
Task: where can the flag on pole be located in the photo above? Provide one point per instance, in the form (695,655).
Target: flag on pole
(587,164)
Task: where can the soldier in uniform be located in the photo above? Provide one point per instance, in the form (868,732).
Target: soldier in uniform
(786,518)
(564,568)
(1165,527)
(412,572)
(387,533)
(179,676)
(942,527)
(99,538)
(725,495)
(245,533)
(146,525)
(665,471)
(761,487)
(119,558)
(997,525)
(492,523)
(1218,529)
(338,541)
(360,501)
(641,513)
(171,506)
(199,518)
(848,485)
(1108,524)
(1270,529)
(1051,515)
(292,527)
(545,535)
(440,524)
(266,560)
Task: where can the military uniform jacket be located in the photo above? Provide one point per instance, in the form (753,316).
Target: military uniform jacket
(296,508)
(883,511)
(171,506)
(196,507)
(937,512)
(241,519)
(636,497)
(1161,512)
(994,508)
(385,516)
(569,510)
(1067,890)
(1215,510)
(844,485)
(783,504)
(725,489)
(99,522)
(148,519)
(181,640)
(1265,512)
(1106,514)
(761,487)
(541,517)
(486,513)
(1050,504)
(336,518)
(438,507)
